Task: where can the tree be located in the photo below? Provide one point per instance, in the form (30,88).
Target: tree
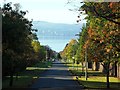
(103,23)
(70,50)
(16,41)
(59,56)
(80,55)
(106,10)
(49,53)
(42,53)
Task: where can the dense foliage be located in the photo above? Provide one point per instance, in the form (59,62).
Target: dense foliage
(69,50)
(103,34)
(100,37)
(20,45)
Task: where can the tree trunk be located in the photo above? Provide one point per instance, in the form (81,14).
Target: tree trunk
(82,67)
(16,76)
(107,76)
(96,66)
(11,75)
(106,67)
(11,79)
(115,69)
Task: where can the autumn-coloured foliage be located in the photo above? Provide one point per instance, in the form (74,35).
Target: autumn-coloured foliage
(103,39)
(70,50)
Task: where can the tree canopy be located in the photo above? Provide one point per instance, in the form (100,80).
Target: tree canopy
(20,45)
(100,37)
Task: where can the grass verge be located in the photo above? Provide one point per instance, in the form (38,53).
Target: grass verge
(97,82)
(27,77)
(96,79)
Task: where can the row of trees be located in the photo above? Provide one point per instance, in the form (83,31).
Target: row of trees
(70,50)
(100,37)
(20,45)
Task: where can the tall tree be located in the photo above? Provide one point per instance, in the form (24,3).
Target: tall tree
(16,41)
(80,55)
(103,32)
(70,50)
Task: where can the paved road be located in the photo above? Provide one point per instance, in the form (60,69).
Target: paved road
(56,78)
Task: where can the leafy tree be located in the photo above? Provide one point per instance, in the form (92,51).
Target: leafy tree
(80,54)
(59,56)
(20,43)
(70,50)
(16,41)
(103,23)
(36,46)
(49,53)
(42,53)
(106,10)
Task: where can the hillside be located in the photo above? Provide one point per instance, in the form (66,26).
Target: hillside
(57,33)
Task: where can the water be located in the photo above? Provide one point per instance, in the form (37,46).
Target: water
(56,35)
(55,44)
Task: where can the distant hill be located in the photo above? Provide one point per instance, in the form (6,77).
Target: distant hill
(56,35)
(50,30)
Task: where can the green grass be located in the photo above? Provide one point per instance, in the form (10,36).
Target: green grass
(89,72)
(99,82)
(44,64)
(96,79)
(27,77)
(75,66)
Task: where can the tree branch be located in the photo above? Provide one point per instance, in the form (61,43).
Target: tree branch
(105,17)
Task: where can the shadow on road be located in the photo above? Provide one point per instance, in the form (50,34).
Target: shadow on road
(55,78)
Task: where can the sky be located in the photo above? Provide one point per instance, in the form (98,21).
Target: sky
(56,11)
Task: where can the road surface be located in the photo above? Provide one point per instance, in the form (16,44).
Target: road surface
(56,78)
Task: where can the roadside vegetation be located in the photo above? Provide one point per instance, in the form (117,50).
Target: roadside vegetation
(27,77)
(97,82)
(21,49)
(23,57)
(98,41)
(95,79)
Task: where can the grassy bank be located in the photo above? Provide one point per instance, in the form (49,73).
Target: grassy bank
(96,82)
(27,77)
(96,79)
